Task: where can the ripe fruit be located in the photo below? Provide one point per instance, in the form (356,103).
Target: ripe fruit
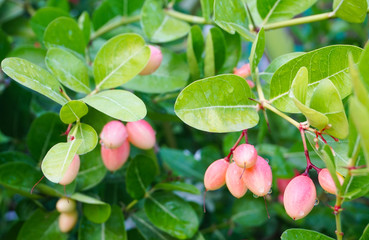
(243,71)
(67,221)
(299,197)
(71,172)
(258,178)
(215,175)
(115,158)
(154,62)
(234,181)
(141,134)
(65,205)
(245,155)
(113,134)
(326,181)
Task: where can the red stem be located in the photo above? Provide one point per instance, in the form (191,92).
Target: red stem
(243,133)
(36,184)
(309,164)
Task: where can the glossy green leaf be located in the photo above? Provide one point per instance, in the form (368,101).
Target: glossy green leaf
(170,76)
(279,10)
(215,50)
(328,159)
(233,52)
(353,11)
(33,77)
(34,55)
(119,60)
(363,66)
(119,104)
(14,156)
(172,214)
(87,135)
(84,24)
(141,171)
(207,8)
(195,47)
(103,14)
(293,234)
(249,212)
(72,111)
(324,63)
(58,158)
(365,233)
(56,190)
(94,210)
(112,229)
(358,85)
(206,105)
(70,70)
(160,27)
(257,50)
(178,186)
(64,32)
(61,4)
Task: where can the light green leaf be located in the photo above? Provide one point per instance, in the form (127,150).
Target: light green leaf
(214,52)
(84,24)
(119,60)
(324,63)
(70,70)
(293,234)
(33,77)
(95,210)
(195,47)
(363,65)
(217,104)
(64,32)
(207,8)
(159,27)
(119,104)
(257,50)
(365,235)
(72,111)
(358,85)
(170,76)
(353,11)
(178,186)
(87,135)
(58,158)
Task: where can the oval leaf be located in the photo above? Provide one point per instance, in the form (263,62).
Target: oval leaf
(293,234)
(87,135)
(215,50)
(95,210)
(73,111)
(353,11)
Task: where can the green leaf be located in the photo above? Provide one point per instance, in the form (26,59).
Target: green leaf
(207,8)
(68,69)
(33,77)
(56,190)
(172,214)
(64,32)
(195,47)
(279,10)
(178,186)
(233,52)
(206,105)
(119,60)
(84,24)
(119,104)
(13,156)
(257,50)
(170,76)
(72,111)
(159,27)
(58,158)
(358,85)
(4,45)
(214,52)
(249,212)
(94,210)
(365,235)
(11,10)
(353,11)
(61,4)
(112,229)
(324,63)
(44,133)
(362,65)
(328,159)
(232,18)
(293,234)
(34,55)
(42,225)
(87,135)
(141,171)
(280,166)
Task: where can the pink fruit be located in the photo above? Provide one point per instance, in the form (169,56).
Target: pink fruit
(113,134)
(299,197)
(258,178)
(245,155)
(243,71)
(250,83)
(115,158)
(154,62)
(141,134)
(326,181)
(65,205)
(71,172)
(67,221)
(215,175)
(234,181)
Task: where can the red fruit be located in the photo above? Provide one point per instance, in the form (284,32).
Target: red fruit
(326,181)
(113,134)
(65,205)
(234,181)
(71,172)
(214,177)
(299,197)
(245,155)
(243,71)
(115,158)
(258,178)
(154,62)
(141,134)
(67,221)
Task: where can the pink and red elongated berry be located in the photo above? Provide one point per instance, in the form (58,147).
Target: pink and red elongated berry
(245,155)
(215,175)
(67,221)
(244,71)
(258,178)
(113,134)
(141,134)
(115,158)
(71,172)
(326,181)
(154,62)
(299,197)
(65,205)
(234,181)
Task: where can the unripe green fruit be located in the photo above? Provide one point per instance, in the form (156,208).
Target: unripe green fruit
(115,158)
(234,181)
(67,221)
(258,178)
(214,177)
(326,181)
(154,62)
(141,134)
(113,134)
(245,155)
(71,172)
(65,205)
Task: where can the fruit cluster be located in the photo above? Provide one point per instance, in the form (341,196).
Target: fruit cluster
(68,214)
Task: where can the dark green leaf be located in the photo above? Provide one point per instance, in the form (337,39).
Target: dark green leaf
(10,10)
(215,50)
(178,186)
(61,4)
(4,45)
(13,156)
(365,235)
(249,212)
(293,234)
(195,47)
(280,166)
(34,55)
(233,52)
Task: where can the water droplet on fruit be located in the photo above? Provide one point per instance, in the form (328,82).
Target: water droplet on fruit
(255,196)
(267,160)
(270,191)
(316,202)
